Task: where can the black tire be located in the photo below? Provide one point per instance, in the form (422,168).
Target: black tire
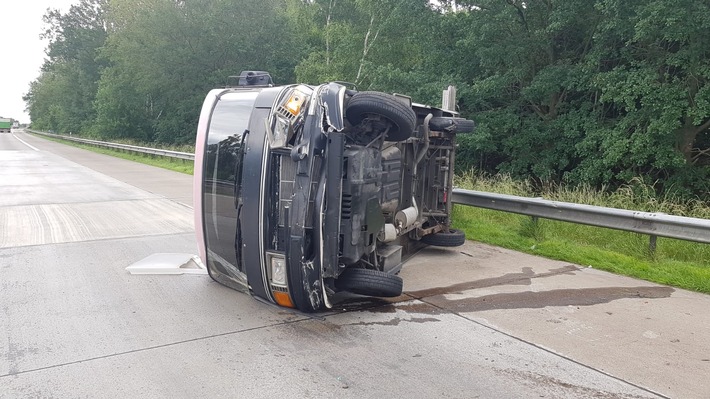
(452,238)
(451,124)
(369,282)
(401,116)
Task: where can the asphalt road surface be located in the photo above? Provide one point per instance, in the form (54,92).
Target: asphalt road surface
(475,322)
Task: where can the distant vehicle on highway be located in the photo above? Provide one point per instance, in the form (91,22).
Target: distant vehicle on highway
(303,191)
(5,125)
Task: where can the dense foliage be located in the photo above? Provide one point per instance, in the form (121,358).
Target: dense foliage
(581,91)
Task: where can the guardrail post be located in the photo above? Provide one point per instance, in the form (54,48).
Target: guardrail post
(652,244)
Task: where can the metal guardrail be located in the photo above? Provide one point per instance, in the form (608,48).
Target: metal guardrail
(652,224)
(118,146)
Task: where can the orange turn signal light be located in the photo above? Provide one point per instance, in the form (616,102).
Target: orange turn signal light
(295,102)
(283,299)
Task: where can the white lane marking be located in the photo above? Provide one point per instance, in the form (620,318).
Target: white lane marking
(25,143)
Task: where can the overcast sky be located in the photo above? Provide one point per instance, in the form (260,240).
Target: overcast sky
(22,51)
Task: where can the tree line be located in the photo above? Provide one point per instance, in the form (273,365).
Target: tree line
(591,92)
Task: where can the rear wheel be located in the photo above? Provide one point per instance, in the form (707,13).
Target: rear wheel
(369,105)
(369,282)
(451,238)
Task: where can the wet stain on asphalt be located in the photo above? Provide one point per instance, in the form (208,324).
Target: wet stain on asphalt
(569,389)
(523,278)
(381,305)
(435,301)
(16,353)
(396,321)
(419,308)
(563,297)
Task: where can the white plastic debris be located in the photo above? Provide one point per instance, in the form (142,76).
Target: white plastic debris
(168,263)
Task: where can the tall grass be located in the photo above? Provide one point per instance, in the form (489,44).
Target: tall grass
(675,262)
(635,195)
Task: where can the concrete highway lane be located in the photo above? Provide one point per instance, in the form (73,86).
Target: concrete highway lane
(475,322)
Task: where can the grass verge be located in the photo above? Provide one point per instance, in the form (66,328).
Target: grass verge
(177,165)
(678,263)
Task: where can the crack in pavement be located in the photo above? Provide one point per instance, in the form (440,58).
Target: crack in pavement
(11,374)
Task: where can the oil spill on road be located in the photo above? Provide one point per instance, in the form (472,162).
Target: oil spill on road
(16,353)
(436,302)
(368,303)
(395,322)
(349,303)
(563,297)
(523,278)
(557,387)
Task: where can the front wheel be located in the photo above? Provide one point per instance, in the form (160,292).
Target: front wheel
(369,282)
(367,105)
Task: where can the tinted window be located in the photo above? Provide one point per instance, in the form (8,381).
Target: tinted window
(222,178)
